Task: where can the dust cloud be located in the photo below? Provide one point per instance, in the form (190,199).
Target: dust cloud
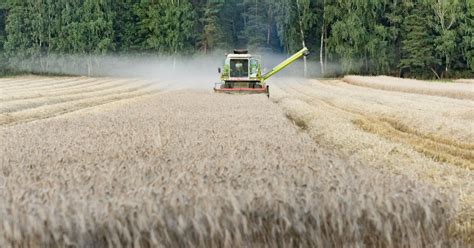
(171,72)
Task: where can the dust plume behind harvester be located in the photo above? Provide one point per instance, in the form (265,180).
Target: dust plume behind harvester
(242,72)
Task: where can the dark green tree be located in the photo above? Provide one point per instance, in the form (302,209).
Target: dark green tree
(418,45)
(166,26)
(22,44)
(466,31)
(359,36)
(417,37)
(125,26)
(96,28)
(287,23)
(255,19)
(212,36)
(3,15)
(448,14)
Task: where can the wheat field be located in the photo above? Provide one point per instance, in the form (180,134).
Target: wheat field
(425,138)
(120,163)
(460,90)
(31,98)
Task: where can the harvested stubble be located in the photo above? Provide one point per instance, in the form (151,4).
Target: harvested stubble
(440,128)
(451,90)
(332,120)
(200,169)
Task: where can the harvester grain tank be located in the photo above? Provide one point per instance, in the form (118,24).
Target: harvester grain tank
(242,72)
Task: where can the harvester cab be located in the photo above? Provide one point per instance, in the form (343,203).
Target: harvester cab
(242,72)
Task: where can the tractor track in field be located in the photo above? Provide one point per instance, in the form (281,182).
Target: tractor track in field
(437,148)
(451,162)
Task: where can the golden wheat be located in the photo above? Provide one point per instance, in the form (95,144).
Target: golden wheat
(193,168)
(25,99)
(337,121)
(452,90)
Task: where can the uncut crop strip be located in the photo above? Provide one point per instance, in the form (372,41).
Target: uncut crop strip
(335,129)
(64,96)
(54,110)
(32,83)
(104,85)
(451,90)
(449,119)
(22,81)
(438,149)
(53,97)
(52,86)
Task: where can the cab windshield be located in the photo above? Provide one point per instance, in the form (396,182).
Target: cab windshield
(239,68)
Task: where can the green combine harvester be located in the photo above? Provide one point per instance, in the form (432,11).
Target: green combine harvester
(242,72)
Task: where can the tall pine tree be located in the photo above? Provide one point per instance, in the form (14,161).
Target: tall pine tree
(418,50)
(212,36)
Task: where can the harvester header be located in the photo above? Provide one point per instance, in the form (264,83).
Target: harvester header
(242,72)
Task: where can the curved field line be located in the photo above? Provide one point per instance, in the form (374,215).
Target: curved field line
(21,82)
(418,87)
(450,117)
(392,120)
(24,105)
(49,84)
(49,111)
(66,91)
(53,86)
(377,152)
(447,143)
(343,88)
(33,83)
(440,150)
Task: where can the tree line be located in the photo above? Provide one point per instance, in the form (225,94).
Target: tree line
(416,38)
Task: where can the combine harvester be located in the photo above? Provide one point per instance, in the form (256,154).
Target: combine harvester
(242,73)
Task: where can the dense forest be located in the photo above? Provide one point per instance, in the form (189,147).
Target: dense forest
(411,38)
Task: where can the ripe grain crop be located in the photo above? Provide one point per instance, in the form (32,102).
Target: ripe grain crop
(192,168)
(443,120)
(30,98)
(447,89)
(362,124)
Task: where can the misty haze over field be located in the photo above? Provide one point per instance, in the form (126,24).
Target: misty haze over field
(195,71)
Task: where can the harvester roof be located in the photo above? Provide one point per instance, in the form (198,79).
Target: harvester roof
(239,56)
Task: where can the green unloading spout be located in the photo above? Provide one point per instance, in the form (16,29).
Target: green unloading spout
(282,65)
